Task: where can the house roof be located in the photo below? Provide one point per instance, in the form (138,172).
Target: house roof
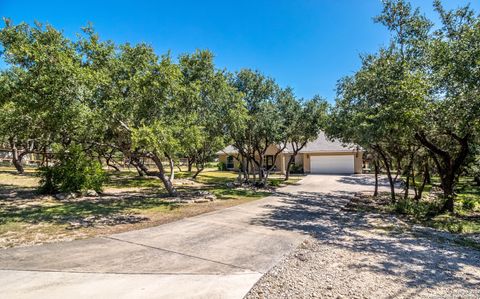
(229,150)
(324,144)
(321,144)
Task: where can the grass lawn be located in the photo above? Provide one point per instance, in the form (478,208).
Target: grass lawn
(128,202)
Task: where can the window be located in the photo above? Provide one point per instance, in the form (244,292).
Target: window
(230,162)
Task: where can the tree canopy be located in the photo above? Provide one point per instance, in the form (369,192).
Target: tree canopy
(418,98)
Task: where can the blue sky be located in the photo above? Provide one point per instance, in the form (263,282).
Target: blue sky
(307,44)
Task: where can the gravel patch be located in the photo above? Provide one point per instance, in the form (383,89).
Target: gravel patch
(352,254)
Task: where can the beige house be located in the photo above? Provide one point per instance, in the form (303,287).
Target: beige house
(321,156)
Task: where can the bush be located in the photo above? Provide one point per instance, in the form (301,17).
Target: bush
(296,168)
(470,204)
(221,166)
(74,171)
(416,209)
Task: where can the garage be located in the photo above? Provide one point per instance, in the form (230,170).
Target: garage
(332,164)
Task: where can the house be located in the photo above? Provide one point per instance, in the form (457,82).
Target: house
(321,156)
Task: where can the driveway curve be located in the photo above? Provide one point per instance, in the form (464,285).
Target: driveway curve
(215,255)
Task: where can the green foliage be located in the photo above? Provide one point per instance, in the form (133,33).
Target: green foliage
(454,224)
(73,172)
(470,204)
(274,116)
(417,209)
(296,168)
(222,166)
(417,98)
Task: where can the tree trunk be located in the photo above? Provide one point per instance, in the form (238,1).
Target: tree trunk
(16,157)
(428,178)
(244,169)
(199,169)
(418,196)
(46,156)
(289,164)
(408,173)
(161,174)
(136,163)
(179,168)
(139,170)
(389,173)
(392,183)
(112,165)
(414,183)
(254,170)
(274,163)
(407,187)
(448,165)
(448,186)
(377,170)
(249,170)
(189,164)
(476,179)
(142,166)
(172,169)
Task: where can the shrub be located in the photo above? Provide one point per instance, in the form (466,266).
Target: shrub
(416,209)
(74,171)
(221,166)
(296,168)
(470,204)
(275,183)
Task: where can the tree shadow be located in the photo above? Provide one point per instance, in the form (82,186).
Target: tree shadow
(416,259)
(11,192)
(34,210)
(366,180)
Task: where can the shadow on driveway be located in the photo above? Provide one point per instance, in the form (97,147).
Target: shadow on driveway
(416,259)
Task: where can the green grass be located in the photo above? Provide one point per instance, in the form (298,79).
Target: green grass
(212,180)
(126,178)
(10,177)
(26,217)
(54,211)
(62,212)
(129,179)
(455,224)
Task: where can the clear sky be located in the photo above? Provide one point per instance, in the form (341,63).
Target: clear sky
(307,44)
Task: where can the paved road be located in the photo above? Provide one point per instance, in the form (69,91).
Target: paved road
(214,255)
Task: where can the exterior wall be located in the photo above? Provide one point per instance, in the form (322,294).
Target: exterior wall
(280,163)
(358,159)
(300,159)
(358,162)
(223,158)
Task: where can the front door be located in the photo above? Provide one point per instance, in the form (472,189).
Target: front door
(230,164)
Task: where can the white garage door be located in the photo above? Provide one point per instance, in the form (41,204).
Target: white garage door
(332,164)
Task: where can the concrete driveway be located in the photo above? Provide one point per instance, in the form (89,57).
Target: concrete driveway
(214,255)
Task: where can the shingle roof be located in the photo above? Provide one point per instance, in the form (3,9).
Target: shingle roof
(321,144)
(228,150)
